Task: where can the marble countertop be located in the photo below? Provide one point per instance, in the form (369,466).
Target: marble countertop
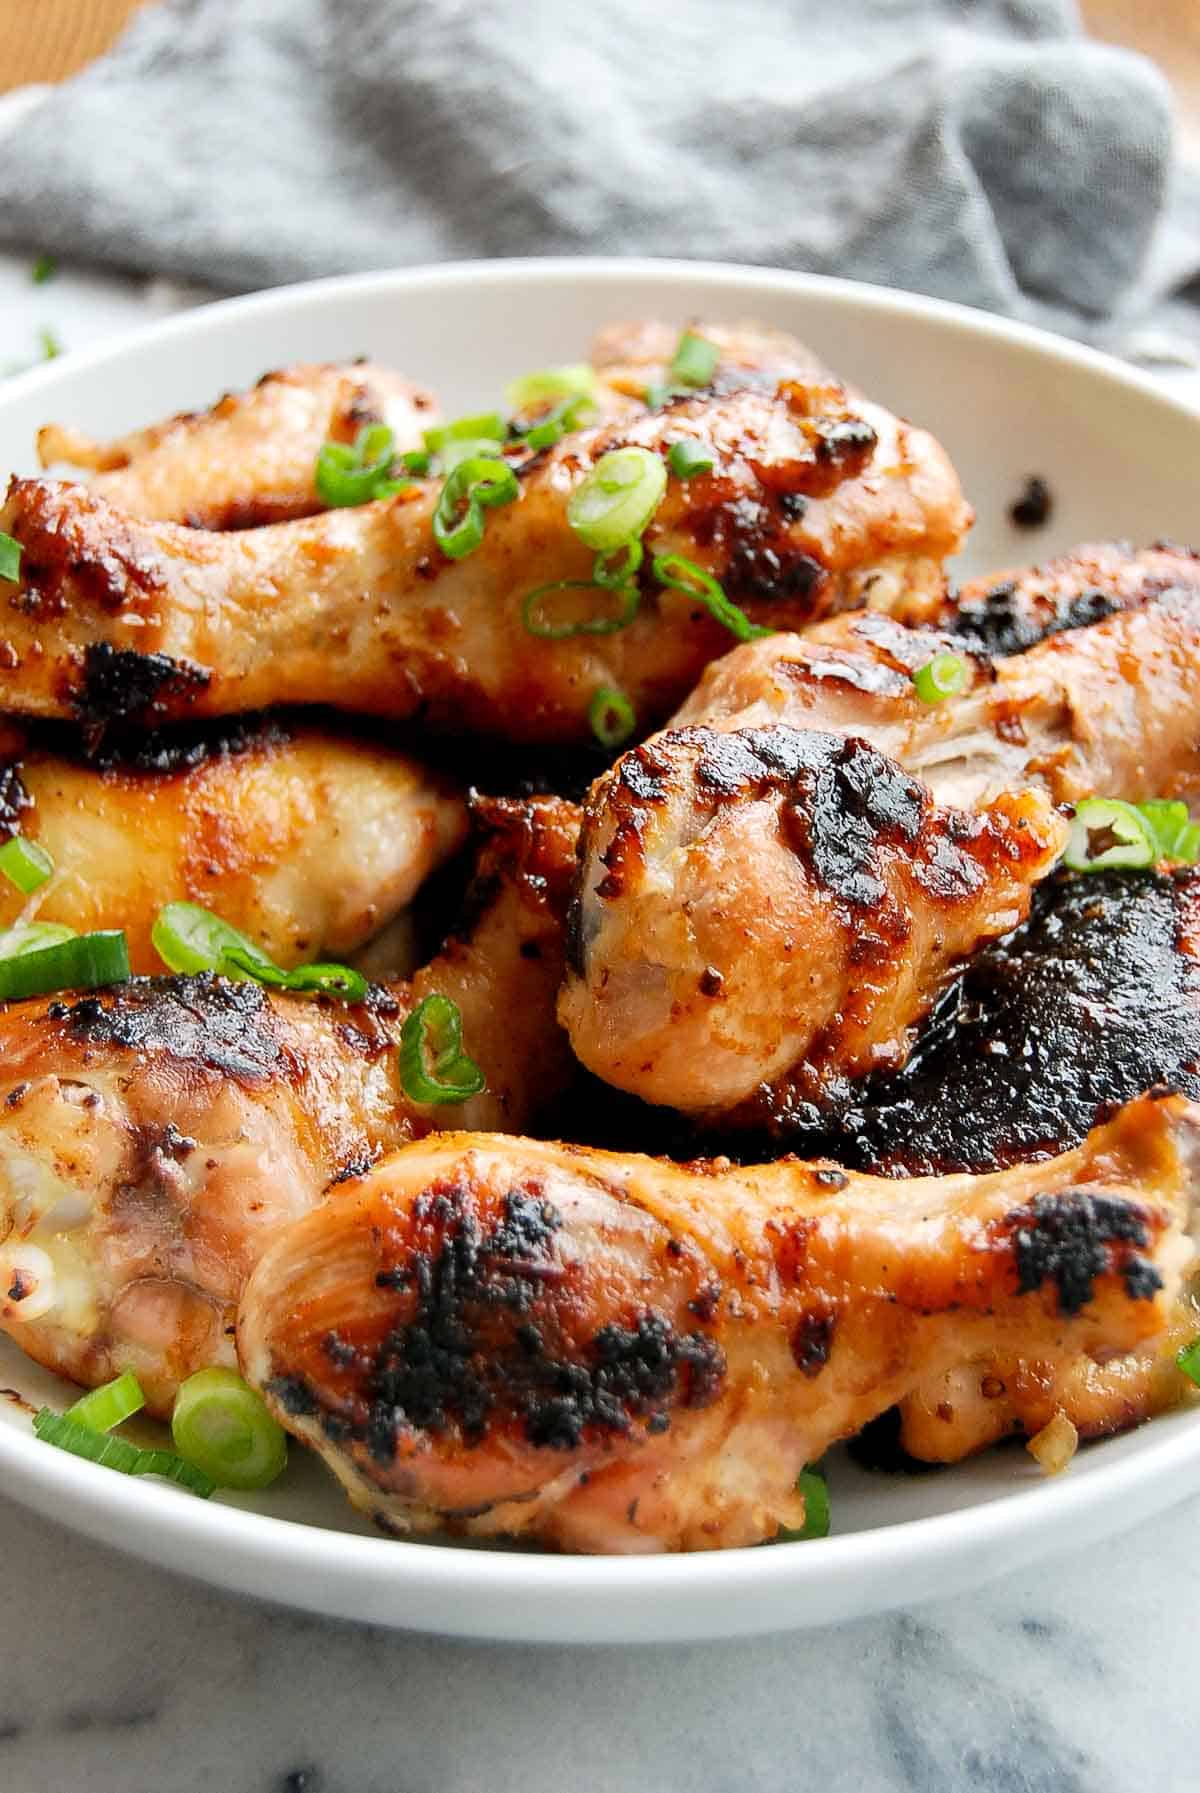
(115,1677)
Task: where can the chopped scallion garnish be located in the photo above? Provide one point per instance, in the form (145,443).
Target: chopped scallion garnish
(472,487)
(359,472)
(943,676)
(10,558)
(1177,835)
(1188,1360)
(549,385)
(433,1066)
(684,575)
(43,957)
(487,426)
(1108,834)
(222,1426)
(189,939)
(117,1453)
(617,499)
(815,1490)
(612,716)
(689,457)
(561,621)
(695,360)
(43,269)
(51,346)
(25,864)
(110,1404)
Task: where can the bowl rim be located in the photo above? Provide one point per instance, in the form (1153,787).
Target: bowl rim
(532,1588)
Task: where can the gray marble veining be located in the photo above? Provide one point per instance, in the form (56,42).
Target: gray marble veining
(1078,1678)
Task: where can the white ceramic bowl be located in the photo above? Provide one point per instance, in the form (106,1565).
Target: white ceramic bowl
(1120,459)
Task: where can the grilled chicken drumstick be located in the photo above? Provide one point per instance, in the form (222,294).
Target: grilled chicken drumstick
(764,894)
(815,503)
(608,1353)
(308,841)
(154,1136)
(252,458)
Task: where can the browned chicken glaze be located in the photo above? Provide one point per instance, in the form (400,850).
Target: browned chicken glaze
(632,357)
(608,1353)
(765,895)
(251,458)
(308,841)
(154,1137)
(815,503)
(1006,613)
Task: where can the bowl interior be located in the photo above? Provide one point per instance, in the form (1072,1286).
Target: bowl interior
(1119,459)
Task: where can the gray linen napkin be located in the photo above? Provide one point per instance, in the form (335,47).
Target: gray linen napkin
(979,149)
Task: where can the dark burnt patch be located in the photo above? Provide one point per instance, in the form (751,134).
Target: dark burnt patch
(225,1027)
(1073,1237)
(812,1337)
(14,798)
(485,1343)
(1008,619)
(1035,505)
(1091,1001)
(122,685)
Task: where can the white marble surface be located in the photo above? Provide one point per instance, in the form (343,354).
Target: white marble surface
(113,1676)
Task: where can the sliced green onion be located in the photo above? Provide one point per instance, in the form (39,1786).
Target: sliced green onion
(433,1065)
(612,716)
(472,486)
(31,937)
(694,362)
(615,502)
(1172,826)
(10,558)
(1188,1360)
(110,1405)
(552,425)
(32,966)
(487,426)
(684,575)
(815,1490)
(550,384)
(69,1434)
(1187,847)
(188,938)
(25,864)
(546,623)
(357,473)
(943,676)
(417,462)
(51,346)
(222,1426)
(689,457)
(43,269)
(1107,833)
(618,567)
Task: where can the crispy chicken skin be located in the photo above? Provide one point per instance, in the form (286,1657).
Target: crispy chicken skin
(815,503)
(605,1353)
(251,458)
(762,893)
(154,1137)
(1008,612)
(308,841)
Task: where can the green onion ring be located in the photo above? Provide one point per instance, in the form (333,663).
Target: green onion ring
(25,864)
(433,1066)
(189,939)
(80,1440)
(612,716)
(471,486)
(110,1404)
(224,1428)
(944,676)
(617,499)
(546,630)
(681,574)
(1124,837)
(33,964)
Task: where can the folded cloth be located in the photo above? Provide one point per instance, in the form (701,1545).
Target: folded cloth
(983,150)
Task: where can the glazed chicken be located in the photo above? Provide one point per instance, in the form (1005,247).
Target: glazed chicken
(252,458)
(765,896)
(815,503)
(308,841)
(1047,1031)
(606,1353)
(154,1137)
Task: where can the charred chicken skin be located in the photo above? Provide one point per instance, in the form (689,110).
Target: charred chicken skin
(308,841)
(154,1137)
(604,1353)
(765,895)
(252,458)
(815,503)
